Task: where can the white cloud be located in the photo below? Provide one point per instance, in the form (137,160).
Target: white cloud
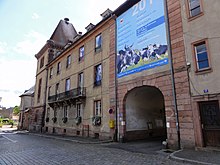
(35,16)
(9,99)
(16,76)
(32,43)
(3,47)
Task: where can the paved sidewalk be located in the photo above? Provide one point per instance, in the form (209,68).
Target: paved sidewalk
(206,156)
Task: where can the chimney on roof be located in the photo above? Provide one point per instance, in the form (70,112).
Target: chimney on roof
(89,27)
(66,20)
(80,33)
(106,13)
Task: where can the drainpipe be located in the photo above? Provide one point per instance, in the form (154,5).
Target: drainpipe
(172,72)
(116,86)
(45,98)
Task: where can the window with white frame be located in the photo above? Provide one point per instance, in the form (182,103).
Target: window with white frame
(51,72)
(67,88)
(68,61)
(57,89)
(80,79)
(194,7)
(201,55)
(80,83)
(98,42)
(98,110)
(58,67)
(81,53)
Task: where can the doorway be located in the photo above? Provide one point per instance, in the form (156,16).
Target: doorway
(210,122)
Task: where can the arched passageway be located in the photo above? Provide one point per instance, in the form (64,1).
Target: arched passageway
(145,113)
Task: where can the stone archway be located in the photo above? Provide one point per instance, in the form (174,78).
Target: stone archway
(145,113)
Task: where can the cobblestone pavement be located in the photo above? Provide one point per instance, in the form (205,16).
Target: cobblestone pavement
(24,149)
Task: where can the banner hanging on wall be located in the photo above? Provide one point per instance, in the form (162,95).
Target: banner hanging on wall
(141,38)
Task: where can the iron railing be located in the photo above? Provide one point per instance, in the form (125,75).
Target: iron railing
(71,94)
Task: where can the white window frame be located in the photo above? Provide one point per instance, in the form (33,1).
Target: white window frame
(97,108)
(67,86)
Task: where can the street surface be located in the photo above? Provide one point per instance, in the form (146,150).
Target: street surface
(25,149)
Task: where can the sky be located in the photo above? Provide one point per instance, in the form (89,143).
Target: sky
(26,25)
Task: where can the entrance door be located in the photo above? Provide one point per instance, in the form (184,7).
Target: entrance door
(210,120)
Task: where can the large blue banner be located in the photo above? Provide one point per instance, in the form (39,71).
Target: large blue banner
(141,38)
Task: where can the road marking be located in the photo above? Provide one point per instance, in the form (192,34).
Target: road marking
(14,141)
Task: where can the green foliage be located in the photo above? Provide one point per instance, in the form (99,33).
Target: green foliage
(6,121)
(16,110)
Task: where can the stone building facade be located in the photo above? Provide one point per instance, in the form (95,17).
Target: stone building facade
(193,120)
(78,85)
(63,33)
(147,98)
(200,24)
(85,94)
(26,104)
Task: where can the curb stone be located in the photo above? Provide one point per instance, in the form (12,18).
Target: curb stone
(72,140)
(185,160)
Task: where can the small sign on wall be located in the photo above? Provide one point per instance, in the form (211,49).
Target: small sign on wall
(122,123)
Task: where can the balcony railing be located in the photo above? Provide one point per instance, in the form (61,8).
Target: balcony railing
(71,94)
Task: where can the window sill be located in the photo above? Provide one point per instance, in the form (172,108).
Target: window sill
(98,50)
(204,71)
(97,84)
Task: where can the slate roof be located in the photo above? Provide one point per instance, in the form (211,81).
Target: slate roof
(28,92)
(63,33)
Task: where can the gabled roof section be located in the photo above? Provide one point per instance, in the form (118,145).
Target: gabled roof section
(28,92)
(63,33)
